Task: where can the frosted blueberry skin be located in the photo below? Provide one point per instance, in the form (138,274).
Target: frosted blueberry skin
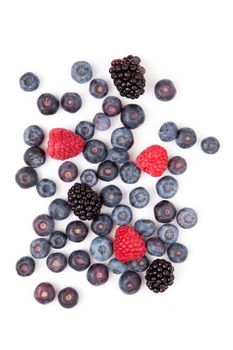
(98,88)
(33,135)
(29,82)
(168,132)
(177,165)
(116,266)
(118,155)
(110,196)
(186,138)
(146,228)
(85,130)
(122,215)
(112,106)
(76,231)
(59,209)
(89,177)
(132,116)
(210,145)
(46,188)
(102,225)
(68,297)
(155,246)
(164,211)
(39,248)
(25,266)
(107,171)
(79,260)
(101,121)
(43,225)
(97,274)
(139,197)
(44,293)
(187,218)
(101,248)
(139,265)
(165,90)
(122,137)
(34,157)
(168,233)
(177,252)
(26,177)
(56,262)
(57,239)
(130,173)
(71,102)
(68,171)
(47,104)
(130,282)
(167,187)
(81,72)
(95,151)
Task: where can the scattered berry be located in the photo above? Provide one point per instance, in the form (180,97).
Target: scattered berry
(57,239)
(59,209)
(118,155)
(164,211)
(68,171)
(101,248)
(139,265)
(102,121)
(44,293)
(46,188)
(187,217)
(122,137)
(34,157)
(102,225)
(68,297)
(116,266)
(153,160)
(210,145)
(56,262)
(33,135)
(64,144)
(130,282)
(168,132)
(130,173)
(29,82)
(83,201)
(81,72)
(39,248)
(89,177)
(177,252)
(97,274)
(47,104)
(155,246)
(122,215)
(128,244)
(76,231)
(139,197)
(71,102)
(85,130)
(110,196)
(132,116)
(43,225)
(26,177)
(186,138)
(98,88)
(79,260)
(177,165)
(146,228)
(167,187)
(107,171)
(165,90)
(112,106)
(168,233)
(25,266)
(95,151)
(159,275)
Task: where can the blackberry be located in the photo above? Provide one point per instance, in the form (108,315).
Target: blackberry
(84,202)
(128,76)
(159,275)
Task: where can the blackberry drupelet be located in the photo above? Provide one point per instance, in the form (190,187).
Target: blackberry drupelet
(159,275)
(84,202)
(128,76)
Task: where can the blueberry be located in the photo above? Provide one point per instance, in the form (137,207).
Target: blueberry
(57,239)
(71,102)
(122,137)
(81,72)
(39,248)
(33,135)
(139,265)
(26,177)
(47,104)
(130,282)
(130,173)
(101,248)
(102,121)
(110,196)
(112,106)
(79,260)
(44,293)
(43,225)
(46,188)
(186,138)
(187,217)
(85,130)
(155,246)
(25,266)
(164,211)
(168,132)
(167,187)
(146,228)
(116,266)
(97,274)
(89,177)
(118,155)
(56,262)
(139,197)
(95,151)
(29,81)
(210,145)
(102,224)
(132,116)
(177,252)
(168,233)
(107,171)
(177,165)
(34,157)
(59,209)
(68,171)
(122,215)
(165,90)
(76,231)
(98,88)
(68,297)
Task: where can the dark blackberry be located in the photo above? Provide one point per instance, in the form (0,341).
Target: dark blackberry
(128,76)
(84,202)
(159,275)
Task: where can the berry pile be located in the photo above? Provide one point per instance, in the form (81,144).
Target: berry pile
(119,246)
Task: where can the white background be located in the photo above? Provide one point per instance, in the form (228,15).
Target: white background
(189,42)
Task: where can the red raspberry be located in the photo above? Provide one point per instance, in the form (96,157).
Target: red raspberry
(64,144)
(128,244)
(153,160)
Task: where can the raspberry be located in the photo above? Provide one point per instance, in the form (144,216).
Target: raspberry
(128,245)
(64,144)
(153,160)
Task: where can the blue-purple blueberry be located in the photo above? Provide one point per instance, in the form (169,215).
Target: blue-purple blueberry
(81,72)
(26,177)
(177,165)
(97,274)
(139,265)
(177,252)
(89,177)
(130,282)
(57,239)
(39,248)
(112,106)
(101,248)
(168,132)
(107,171)
(132,116)
(34,157)
(116,266)
(187,218)
(29,82)
(139,197)
(79,260)
(44,293)
(68,297)
(71,102)
(47,104)
(68,171)
(95,151)
(101,121)
(102,225)
(59,209)
(186,137)
(118,155)
(46,188)
(85,129)
(98,88)
(129,173)
(164,211)
(155,246)
(210,145)
(122,137)
(168,233)
(122,215)
(167,187)
(33,135)
(56,262)
(165,90)
(43,225)
(76,231)
(145,227)
(110,196)
(25,266)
